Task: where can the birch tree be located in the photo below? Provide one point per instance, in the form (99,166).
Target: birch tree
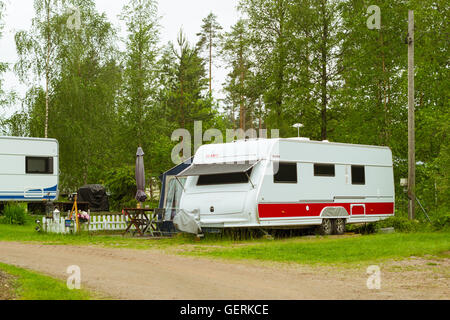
(140,73)
(36,49)
(3,66)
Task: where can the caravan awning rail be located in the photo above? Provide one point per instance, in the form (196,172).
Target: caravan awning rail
(217,168)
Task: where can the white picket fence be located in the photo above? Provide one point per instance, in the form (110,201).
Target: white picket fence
(96,223)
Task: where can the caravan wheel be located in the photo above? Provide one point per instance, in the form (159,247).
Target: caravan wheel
(326,228)
(339,226)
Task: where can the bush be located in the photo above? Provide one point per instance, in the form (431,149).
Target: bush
(121,183)
(440,219)
(403,224)
(14,214)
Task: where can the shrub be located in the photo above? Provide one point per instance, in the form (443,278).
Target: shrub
(14,214)
(121,183)
(403,224)
(440,219)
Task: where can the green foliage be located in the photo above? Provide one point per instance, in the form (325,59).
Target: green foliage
(138,110)
(440,220)
(313,62)
(242,98)
(14,213)
(402,224)
(184,75)
(3,66)
(121,183)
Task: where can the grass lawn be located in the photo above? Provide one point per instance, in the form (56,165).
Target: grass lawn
(27,233)
(304,250)
(349,250)
(33,286)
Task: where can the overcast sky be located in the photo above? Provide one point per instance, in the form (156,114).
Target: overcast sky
(175,14)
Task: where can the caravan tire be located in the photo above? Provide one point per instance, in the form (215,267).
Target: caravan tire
(338,226)
(326,228)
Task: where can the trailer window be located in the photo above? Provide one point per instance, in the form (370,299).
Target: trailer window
(286,173)
(324,170)
(39,165)
(358,175)
(227,178)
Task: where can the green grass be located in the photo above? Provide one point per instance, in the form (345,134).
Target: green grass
(27,233)
(30,285)
(348,250)
(310,250)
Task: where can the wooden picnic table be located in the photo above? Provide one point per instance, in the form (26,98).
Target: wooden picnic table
(142,219)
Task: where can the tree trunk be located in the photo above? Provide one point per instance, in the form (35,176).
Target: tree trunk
(241,94)
(210,62)
(386,137)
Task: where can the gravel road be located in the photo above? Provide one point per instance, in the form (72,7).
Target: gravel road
(153,274)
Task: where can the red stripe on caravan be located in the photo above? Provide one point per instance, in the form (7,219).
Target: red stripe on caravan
(380,208)
(287,210)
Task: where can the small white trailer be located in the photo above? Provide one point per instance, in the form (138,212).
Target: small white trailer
(29,169)
(288,183)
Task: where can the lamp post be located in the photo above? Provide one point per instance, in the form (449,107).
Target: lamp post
(298,126)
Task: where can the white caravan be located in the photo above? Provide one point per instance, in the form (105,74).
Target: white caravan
(29,169)
(288,183)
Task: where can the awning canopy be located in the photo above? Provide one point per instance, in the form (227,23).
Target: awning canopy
(221,168)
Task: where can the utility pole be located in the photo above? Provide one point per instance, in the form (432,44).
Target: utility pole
(47,66)
(411,125)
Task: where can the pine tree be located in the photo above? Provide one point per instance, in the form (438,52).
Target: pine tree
(209,38)
(268,24)
(186,81)
(237,54)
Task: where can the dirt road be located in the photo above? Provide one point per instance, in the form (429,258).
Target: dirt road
(152,274)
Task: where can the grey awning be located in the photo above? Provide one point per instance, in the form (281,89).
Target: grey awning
(222,168)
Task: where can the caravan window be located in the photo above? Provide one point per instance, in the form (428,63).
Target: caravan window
(39,165)
(226,178)
(324,170)
(358,175)
(286,173)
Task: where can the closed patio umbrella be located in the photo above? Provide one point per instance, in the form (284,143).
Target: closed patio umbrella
(140,176)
